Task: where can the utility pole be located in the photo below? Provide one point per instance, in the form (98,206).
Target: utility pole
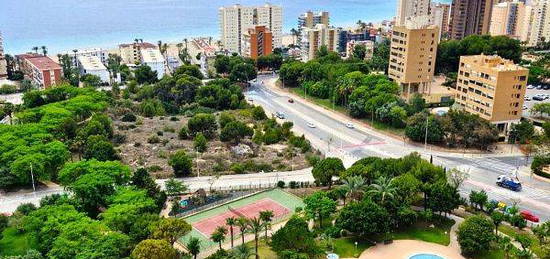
(32,178)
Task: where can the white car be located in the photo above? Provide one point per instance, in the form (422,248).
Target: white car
(527,98)
(530,87)
(349,125)
(311,125)
(525,107)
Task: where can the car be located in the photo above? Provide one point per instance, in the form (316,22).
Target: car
(250,99)
(525,107)
(311,125)
(539,87)
(280,115)
(546,87)
(527,98)
(501,205)
(349,125)
(291,100)
(530,87)
(538,98)
(527,215)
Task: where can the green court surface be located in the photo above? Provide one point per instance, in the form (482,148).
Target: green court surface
(285,199)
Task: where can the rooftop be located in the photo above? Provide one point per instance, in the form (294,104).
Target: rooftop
(143,45)
(91,63)
(42,62)
(494,62)
(151,56)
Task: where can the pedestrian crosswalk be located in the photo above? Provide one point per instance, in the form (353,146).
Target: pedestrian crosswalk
(493,164)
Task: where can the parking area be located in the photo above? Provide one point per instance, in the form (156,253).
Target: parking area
(529,102)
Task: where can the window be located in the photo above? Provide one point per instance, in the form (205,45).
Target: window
(522,78)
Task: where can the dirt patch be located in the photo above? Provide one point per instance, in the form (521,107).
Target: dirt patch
(139,151)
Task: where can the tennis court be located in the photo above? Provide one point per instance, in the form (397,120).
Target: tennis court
(204,223)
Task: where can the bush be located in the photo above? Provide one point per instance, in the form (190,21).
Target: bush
(202,122)
(312,160)
(8,89)
(181,163)
(281,184)
(153,139)
(183,133)
(475,235)
(235,131)
(238,168)
(258,113)
(169,129)
(173,118)
(119,138)
(200,143)
(128,117)
(293,185)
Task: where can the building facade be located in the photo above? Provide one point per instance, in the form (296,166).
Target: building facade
(369,47)
(314,38)
(491,87)
(131,53)
(410,10)
(258,41)
(41,70)
(412,58)
(439,16)
(3,63)
(346,36)
(92,65)
(511,19)
(470,17)
(540,25)
(310,19)
(102,54)
(236,20)
(154,59)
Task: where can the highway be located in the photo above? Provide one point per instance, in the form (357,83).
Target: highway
(332,137)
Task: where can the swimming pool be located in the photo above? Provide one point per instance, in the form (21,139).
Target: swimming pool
(425,256)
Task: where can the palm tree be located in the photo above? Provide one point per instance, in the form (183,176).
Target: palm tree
(185,40)
(218,235)
(256,226)
(267,217)
(35,49)
(383,187)
(44,50)
(194,246)
(242,223)
(354,185)
(241,252)
(231,222)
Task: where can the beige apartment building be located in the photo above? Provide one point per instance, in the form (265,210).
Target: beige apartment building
(511,19)
(3,63)
(408,10)
(131,53)
(412,58)
(320,35)
(491,87)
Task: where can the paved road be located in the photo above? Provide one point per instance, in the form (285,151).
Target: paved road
(330,134)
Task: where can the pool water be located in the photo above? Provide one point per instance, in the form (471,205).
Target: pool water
(426,256)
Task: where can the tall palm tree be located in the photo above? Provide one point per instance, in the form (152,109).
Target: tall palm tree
(231,222)
(44,50)
(241,252)
(194,246)
(383,187)
(242,223)
(218,235)
(266,216)
(354,185)
(256,226)
(185,40)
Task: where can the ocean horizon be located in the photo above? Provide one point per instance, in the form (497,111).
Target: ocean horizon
(63,25)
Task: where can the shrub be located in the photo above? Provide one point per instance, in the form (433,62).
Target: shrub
(8,89)
(202,122)
(180,163)
(119,138)
(183,133)
(200,143)
(153,139)
(128,117)
(235,131)
(169,129)
(312,160)
(258,113)
(293,185)
(160,133)
(281,184)
(238,168)
(154,168)
(475,235)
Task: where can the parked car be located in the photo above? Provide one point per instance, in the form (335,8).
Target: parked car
(350,125)
(546,87)
(291,100)
(539,87)
(527,215)
(530,87)
(280,115)
(538,98)
(527,98)
(525,107)
(311,125)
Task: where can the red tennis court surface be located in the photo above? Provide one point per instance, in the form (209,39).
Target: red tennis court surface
(209,225)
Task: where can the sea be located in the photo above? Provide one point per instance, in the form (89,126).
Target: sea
(63,25)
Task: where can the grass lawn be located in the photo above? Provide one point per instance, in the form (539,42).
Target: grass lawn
(14,243)
(492,254)
(512,232)
(264,250)
(439,234)
(345,246)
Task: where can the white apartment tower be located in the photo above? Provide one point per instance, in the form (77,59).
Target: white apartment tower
(3,63)
(237,19)
(540,23)
(512,19)
(410,10)
(320,35)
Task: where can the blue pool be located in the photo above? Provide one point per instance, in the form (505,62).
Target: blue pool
(426,256)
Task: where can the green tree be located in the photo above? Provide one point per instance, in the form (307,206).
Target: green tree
(200,142)
(319,205)
(241,252)
(364,218)
(383,187)
(231,222)
(266,216)
(475,235)
(154,249)
(99,148)
(242,223)
(443,197)
(181,163)
(359,52)
(478,199)
(242,73)
(235,131)
(175,187)
(204,123)
(522,132)
(416,128)
(90,80)
(497,217)
(194,246)
(170,229)
(295,236)
(144,74)
(325,169)
(218,235)
(256,226)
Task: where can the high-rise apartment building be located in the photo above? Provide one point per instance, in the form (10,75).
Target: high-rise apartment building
(540,25)
(314,38)
(439,16)
(310,19)
(236,20)
(131,53)
(511,19)
(3,63)
(470,17)
(412,58)
(491,87)
(411,9)
(257,42)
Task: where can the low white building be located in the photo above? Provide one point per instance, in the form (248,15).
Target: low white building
(154,59)
(102,54)
(92,65)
